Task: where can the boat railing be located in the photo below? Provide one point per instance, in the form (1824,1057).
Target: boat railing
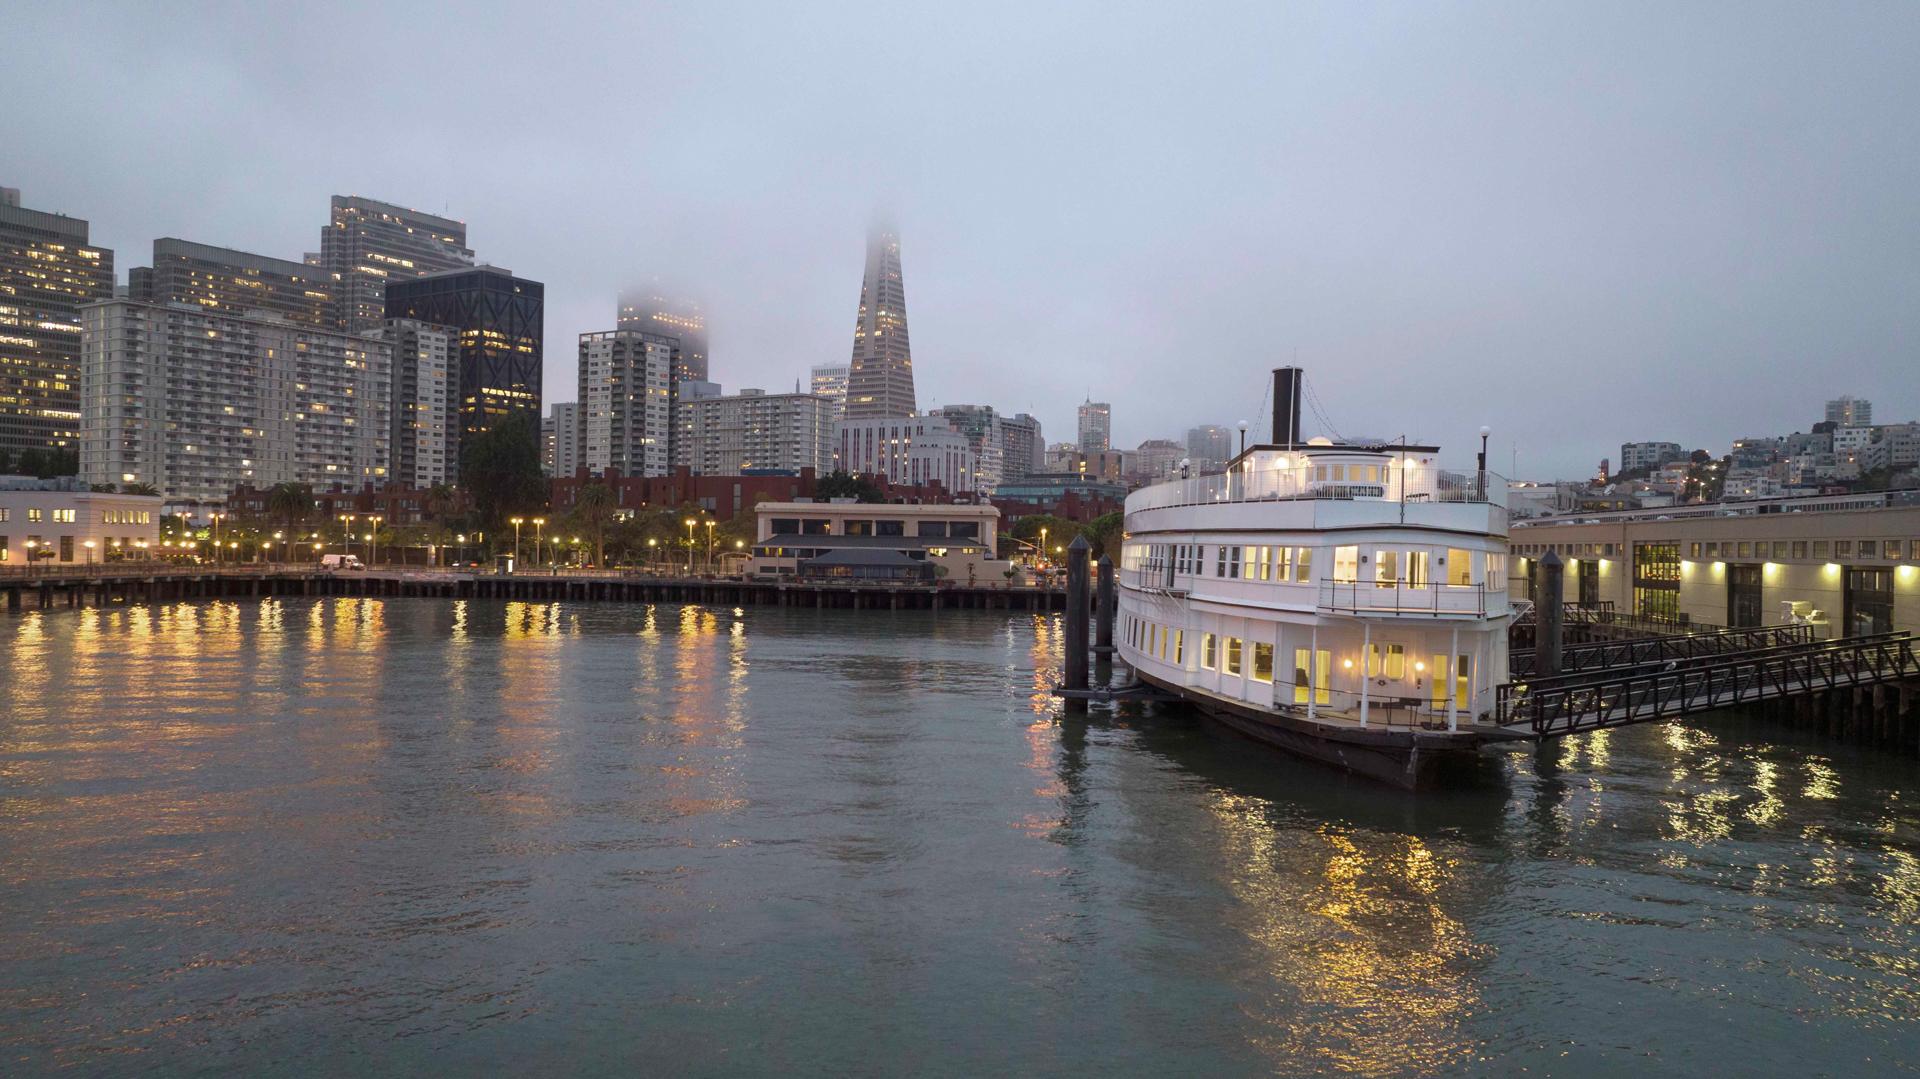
(1386,483)
(1401,597)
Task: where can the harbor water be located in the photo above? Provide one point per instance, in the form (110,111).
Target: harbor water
(337,835)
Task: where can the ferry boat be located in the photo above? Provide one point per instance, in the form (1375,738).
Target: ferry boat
(1344,602)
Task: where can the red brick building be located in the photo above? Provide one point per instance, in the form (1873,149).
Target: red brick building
(393,504)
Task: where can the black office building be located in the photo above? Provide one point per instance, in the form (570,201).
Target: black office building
(498,320)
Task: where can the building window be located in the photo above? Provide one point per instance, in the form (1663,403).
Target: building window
(1230,663)
(1819,548)
(1799,548)
(33,515)
(1713,549)
(1746,549)
(1262,662)
(1891,550)
(1346,564)
(1303,564)
(890,528)
(1656,580)
(1459,567)
(1693,550)
(1386,568)
(1209,649)
(1310,671)
(1843,548)
(1233,562)
(1179,647)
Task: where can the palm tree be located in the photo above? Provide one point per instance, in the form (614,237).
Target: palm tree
(291,502)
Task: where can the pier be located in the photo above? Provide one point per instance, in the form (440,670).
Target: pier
(104,585)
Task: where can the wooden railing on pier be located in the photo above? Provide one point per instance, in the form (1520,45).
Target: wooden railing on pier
(1589,701)
(1631,652)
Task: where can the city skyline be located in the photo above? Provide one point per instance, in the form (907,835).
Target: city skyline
(1625,253)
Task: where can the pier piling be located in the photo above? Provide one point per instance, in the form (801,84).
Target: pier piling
(1550,613)
(1077,611)
(1104,603)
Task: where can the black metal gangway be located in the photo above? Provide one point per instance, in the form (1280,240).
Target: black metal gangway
(1594,700)
(1639,651)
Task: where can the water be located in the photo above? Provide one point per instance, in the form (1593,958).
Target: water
(514,838)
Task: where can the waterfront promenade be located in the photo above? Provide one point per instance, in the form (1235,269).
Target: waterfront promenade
(48,586)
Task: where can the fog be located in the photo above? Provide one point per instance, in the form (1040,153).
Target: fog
(1576,224)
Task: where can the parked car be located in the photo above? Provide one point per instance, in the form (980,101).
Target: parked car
(340,561)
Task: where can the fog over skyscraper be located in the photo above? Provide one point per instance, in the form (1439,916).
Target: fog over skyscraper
(368,242)
(880,376)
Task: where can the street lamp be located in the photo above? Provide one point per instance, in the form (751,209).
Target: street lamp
(1043,543)
(373,538)
(516,522)
(537,523)
(216,537)
(346,532)
(1243,437)
(651,544)
(690,523)
(89,546)
(710,524)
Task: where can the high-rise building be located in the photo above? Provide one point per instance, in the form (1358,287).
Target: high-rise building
(368,243)
(1023,447)
(560,439)
(1635,455)
(196,401)
(47,271)
(229,282)
(1850,411)
(981,426)
(755,431)
(423,359)
(652,309)
(829,380)
(1209,447)
(497,319)
(625,409)
(1096,427)
(1157,460)
(880,376)
(906,449)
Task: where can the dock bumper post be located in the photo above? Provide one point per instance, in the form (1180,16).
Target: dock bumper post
(1077,613)
(1103,606)
(1553,585)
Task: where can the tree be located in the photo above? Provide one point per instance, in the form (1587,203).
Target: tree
(1059,530)
(139,489)
(100,488)
(501,468)
(6,462)
(32,462)
(292,503)
(592,512)
(842,484)
(440,502)
(1104,533)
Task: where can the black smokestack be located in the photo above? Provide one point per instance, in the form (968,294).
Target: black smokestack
(1288,384)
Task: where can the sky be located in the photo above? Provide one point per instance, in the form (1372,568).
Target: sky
(1575,224)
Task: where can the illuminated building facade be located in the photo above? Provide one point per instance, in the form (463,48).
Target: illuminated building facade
(829,380)
(1096,427)
(560,439)
(47,271)
(368,243)
(421,407)
(755,431)
(907,449)
(498,320)
(880,376)
(196,403)
(625,409)
(229,282)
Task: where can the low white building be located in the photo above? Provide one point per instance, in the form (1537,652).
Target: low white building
(62,521)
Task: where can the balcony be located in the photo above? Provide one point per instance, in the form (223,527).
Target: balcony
(1400,599)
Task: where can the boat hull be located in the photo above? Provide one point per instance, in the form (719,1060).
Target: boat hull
(1411,760)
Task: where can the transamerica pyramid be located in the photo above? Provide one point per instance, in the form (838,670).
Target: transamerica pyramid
(880,378)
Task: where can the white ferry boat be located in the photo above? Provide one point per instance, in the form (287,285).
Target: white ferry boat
(1344,602)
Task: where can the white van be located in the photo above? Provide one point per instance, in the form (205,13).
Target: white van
(340,561)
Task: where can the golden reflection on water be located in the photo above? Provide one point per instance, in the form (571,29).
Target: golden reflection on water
(1356,925)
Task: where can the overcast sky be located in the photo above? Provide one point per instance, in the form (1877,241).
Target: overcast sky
(1575,224)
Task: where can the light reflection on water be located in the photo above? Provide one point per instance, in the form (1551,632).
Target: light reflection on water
(476,835)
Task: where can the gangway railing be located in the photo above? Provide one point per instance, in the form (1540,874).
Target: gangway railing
(1593,701)
(1641,650)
